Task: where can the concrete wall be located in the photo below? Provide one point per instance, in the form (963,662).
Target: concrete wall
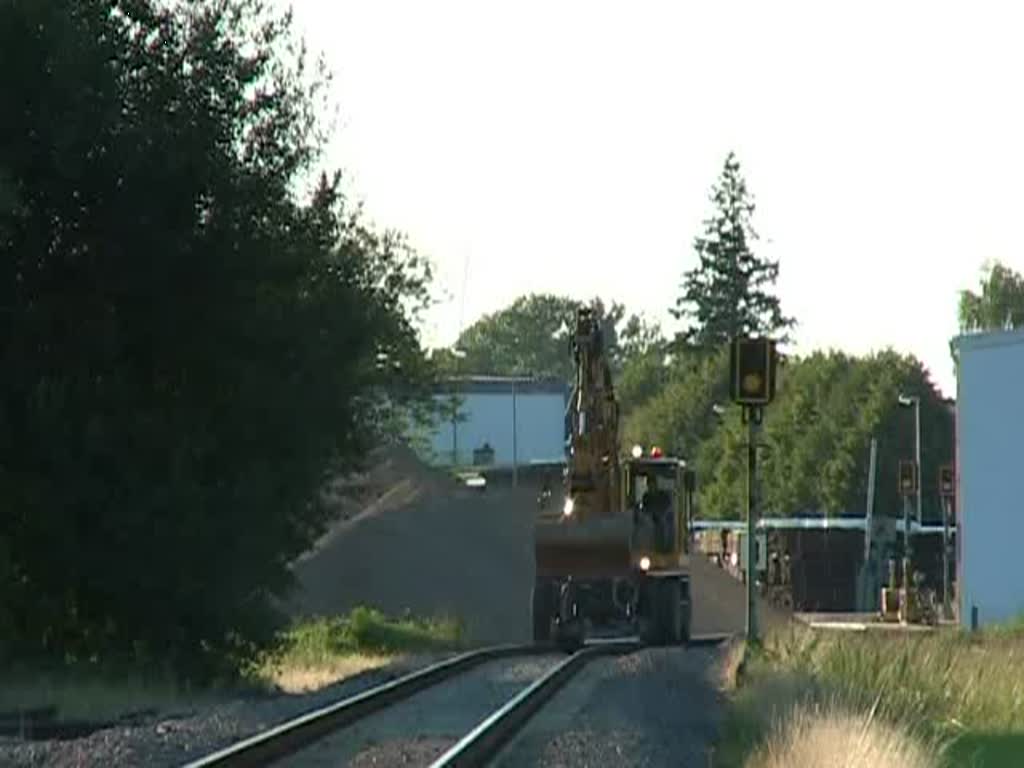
(990,475)
(539,420)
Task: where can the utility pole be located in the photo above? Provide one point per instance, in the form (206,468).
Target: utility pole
(515,446)
(917,455)
(868,580)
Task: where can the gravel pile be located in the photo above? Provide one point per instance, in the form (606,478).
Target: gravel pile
(457,553)
(176,737)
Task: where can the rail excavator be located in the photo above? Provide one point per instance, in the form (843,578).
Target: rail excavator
(613,559)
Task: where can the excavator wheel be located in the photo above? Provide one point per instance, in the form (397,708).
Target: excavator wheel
(664,604)
(686,610)
(543,600)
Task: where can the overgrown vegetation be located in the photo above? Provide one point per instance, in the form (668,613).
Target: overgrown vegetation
(190,343)
(305,656)
(948,691)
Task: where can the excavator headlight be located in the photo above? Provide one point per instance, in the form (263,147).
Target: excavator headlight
(637,451)
(567,509)
(645,563)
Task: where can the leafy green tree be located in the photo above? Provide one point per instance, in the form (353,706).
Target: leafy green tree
(638,338)
(532,336)
(998,304)
(818,435)
(728,292)
(682,414)
(189,345)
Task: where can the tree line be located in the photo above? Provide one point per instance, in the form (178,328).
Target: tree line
(674,390)
(197,329)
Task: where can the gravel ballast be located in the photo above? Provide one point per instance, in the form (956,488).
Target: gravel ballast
(657,707)
(174,738)
(420,729)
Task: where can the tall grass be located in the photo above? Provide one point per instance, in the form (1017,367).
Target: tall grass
(943,694)
(949,678)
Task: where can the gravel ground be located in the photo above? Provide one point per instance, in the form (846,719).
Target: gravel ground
(657,707)
(420,729)
(178,737)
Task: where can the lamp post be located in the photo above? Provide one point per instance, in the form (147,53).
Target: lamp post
(906,401)
(458,354)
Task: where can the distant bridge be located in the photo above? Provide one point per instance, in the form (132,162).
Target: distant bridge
(813,524)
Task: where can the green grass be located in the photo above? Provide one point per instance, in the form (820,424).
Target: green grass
(308,655)
(365,630)
(988,750)
(963,691)
(318,651)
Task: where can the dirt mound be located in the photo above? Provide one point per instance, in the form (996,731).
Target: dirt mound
(392,473)
(410,538)
(457,553)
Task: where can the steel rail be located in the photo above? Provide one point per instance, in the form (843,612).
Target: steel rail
(480,745)
(300,732)
(486,739)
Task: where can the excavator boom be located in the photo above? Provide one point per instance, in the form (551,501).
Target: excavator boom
(589,534)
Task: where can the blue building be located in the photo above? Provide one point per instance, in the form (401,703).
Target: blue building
(990,474)
(520,419)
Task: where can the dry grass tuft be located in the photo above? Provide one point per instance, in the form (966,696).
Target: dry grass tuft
(302,679)
(827,736)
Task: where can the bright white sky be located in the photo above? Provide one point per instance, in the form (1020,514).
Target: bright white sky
(570,147)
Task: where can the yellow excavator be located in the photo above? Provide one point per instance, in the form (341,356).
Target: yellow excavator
(613,558)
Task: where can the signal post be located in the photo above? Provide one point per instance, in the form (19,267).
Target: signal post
(752,372)
(946,492)
(908,486)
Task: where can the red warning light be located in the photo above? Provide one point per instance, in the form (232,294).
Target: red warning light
(655,452)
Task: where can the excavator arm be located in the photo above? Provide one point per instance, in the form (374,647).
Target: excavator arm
(593,477)
(589,534)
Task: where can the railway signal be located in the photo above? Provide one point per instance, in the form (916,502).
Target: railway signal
(946,485)
(908,478)
(947,490)
(752,366)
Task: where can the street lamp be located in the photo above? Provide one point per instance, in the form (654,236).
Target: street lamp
(906,401)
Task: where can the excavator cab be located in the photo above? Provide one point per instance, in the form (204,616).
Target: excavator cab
(654,489)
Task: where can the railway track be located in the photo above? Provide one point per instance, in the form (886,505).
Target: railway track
(476,748)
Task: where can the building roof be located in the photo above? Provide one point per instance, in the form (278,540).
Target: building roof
(984,339)
(503,385)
